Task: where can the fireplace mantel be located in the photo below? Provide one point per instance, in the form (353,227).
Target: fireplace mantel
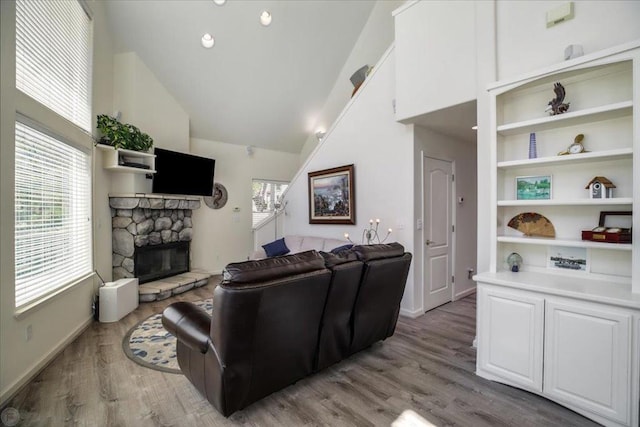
(153,201)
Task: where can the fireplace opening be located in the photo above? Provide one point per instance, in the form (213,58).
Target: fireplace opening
(157,261)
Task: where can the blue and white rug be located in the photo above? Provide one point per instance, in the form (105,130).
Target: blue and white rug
(149,344)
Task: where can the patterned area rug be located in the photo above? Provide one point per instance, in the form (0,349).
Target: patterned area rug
(150,345)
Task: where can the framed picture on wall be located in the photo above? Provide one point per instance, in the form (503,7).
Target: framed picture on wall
(332,198)
(533,187)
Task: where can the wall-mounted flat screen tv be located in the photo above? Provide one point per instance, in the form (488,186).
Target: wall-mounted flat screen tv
(180,173)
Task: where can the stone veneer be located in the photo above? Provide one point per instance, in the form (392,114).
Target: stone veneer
(142,220)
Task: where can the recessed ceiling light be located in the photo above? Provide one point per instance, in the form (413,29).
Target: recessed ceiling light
(219,2)
(207,41)
(265,18)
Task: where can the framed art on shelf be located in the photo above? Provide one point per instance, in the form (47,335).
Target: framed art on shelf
(568,258)
(536,187)
(332,196)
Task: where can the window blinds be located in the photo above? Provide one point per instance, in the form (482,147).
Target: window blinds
(53,57)
(52,214)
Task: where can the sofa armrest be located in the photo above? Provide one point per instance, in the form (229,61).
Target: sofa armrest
(189,324)
(258,254)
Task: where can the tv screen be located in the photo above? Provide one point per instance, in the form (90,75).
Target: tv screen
(179,173)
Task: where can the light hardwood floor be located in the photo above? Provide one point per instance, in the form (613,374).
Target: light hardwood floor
(427,366)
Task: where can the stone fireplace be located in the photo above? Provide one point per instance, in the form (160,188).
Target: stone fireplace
(151,228)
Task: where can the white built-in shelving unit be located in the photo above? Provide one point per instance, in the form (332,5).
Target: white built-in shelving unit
(571,336)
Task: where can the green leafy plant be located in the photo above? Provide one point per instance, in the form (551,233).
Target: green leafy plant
(122,135)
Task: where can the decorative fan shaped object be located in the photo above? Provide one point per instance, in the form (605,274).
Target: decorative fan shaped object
(532,224)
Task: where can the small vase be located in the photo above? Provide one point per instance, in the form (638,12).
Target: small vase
(532,146)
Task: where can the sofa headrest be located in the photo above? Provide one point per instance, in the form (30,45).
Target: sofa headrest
(263,270)
(342,257)
(371,252)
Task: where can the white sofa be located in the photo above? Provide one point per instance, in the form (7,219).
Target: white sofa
(304,243)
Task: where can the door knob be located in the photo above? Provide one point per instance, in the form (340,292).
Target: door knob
(428,242)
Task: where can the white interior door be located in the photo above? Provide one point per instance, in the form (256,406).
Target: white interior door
(438,232)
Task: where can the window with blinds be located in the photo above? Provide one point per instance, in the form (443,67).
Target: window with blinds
(53,57)
(52,214)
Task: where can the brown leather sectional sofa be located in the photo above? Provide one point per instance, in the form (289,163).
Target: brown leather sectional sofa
(278,320)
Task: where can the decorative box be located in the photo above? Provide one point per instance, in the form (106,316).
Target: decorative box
(613,227)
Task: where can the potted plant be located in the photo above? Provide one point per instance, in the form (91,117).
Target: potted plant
(122,135)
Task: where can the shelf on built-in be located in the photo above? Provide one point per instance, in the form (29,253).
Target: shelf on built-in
(588,115)
(587,288)
(592,157)
(564,242)
(575,202)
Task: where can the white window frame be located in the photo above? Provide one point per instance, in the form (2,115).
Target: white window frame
(62,237)
(44,118)
(54,60)
(271,204)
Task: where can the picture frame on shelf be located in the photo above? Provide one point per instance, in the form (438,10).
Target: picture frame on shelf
(332,196)
(534,187)
(567,258)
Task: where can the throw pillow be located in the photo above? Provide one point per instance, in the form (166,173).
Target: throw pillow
(341,248)
(275,248)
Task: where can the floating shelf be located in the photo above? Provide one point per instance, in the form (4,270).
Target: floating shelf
(112,156)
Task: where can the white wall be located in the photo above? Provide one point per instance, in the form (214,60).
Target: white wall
(367,135)
(524,43)
(436,56)
(463,156)
(486,73)
(222,236)
(103,80)
(147,104)
(58,320)
(376,37)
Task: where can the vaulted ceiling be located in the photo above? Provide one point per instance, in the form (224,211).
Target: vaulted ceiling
(261,86)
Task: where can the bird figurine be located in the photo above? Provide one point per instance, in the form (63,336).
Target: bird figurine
(556,105)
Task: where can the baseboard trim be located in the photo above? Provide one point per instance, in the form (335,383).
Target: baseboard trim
(411,313)
(13,389)
(464,294)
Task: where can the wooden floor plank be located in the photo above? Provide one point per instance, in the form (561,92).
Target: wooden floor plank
(427,366)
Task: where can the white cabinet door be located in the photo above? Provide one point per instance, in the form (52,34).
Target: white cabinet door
(587,358)
(510,335)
